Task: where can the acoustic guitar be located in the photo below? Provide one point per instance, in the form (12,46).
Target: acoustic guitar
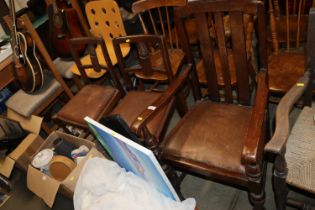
(64,24)
(28,71)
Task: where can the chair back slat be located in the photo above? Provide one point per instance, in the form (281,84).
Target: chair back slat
(272,21)
(153,22)
(161,20)
(298,25)
(222,48)
(223,57)
(288,23)
(276,8)
(169,27)
(239,51)
(207,52)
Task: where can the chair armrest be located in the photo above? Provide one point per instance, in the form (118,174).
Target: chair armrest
(255,137)
(158,104)
(277,143)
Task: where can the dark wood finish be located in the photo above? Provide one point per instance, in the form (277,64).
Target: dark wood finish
(64,24)
(6,72)
(159,22)
(288,23)
(149,95)
(76,5)
(224,139)
(277,144)
(146,72)
(91,43)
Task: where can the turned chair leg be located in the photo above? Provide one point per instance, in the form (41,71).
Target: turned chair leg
(281,189)
(256,193)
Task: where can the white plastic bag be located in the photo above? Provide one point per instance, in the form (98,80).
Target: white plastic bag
(104,185)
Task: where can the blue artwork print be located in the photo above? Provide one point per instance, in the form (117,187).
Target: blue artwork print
(133,157)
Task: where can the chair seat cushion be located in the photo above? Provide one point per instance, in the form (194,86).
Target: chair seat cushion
(300,154)
(284,70)
(135,102)
(25,104)
(209,139)
(93,101)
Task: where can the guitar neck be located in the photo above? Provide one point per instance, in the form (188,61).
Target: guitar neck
(14,39)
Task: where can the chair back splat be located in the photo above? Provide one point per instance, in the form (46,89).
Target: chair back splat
(222,46)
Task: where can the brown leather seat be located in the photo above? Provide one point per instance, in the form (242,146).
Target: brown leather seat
(93,101)
(203,141)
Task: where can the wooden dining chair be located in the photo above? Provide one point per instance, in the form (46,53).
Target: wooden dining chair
(287,35)
(223,139)
(93,100)
(156,18)
(293,146)
(144,95)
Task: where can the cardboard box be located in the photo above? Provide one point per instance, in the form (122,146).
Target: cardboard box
(23,153)
(47,187)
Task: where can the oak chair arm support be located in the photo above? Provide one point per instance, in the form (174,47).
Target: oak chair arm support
(157,105)
(277,143)
(255,139)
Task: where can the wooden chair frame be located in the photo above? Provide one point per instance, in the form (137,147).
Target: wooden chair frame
(277,144)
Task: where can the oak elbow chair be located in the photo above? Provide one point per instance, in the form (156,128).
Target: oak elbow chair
(146,74)
(223,138)
(139,100)
(294,147)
